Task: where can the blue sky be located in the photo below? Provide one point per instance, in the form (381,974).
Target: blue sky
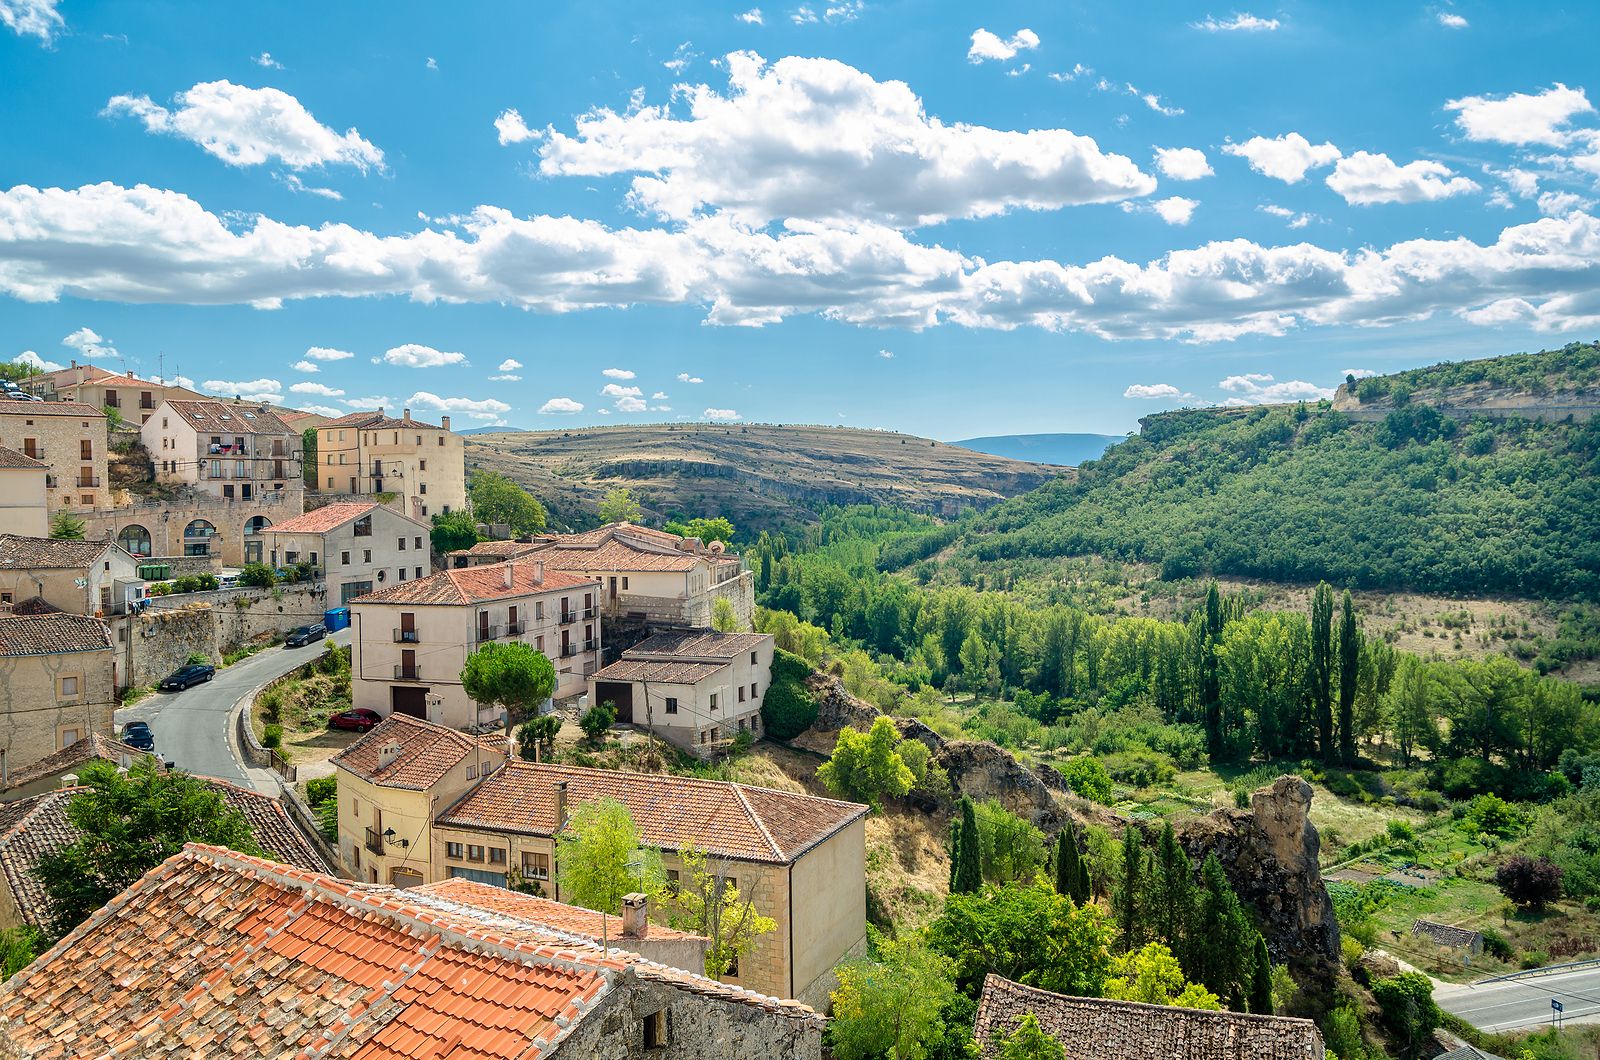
(946,219)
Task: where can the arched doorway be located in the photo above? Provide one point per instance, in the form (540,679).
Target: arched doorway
(197,538)
(134,539)
(252,541)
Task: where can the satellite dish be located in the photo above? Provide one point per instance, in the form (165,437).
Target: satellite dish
(82,583)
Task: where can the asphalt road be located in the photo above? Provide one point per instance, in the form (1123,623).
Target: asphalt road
(192,727)
(1525,1002)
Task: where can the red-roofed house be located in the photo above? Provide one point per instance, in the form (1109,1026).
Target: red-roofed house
(411,639)
(132,398)
(24,497)
(57,685)
(69,438)
(234,450)
(422,464)
(362,547)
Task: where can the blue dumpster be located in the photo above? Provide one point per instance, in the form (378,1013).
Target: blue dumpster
(336,619)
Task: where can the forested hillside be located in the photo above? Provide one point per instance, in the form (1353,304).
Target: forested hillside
(1417,499)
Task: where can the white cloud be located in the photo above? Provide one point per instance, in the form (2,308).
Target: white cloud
(1152,391)
(685,377)
(987,46)
(751,17)
(32,18)
(432,63)
(1451,20)
(488,409)
(833,14)
(506,377)
(1176,210)
(1153,101)
(1078,70)
(631,404)
(817,139)
(511,129)
(887,355)
(560,405)
(1561,203)
(249,126)
(327,353)
(1359,373)
(681,58)
(1284,158)
(1182,163)
(316,388)
(305,366)
(295,184)
(659,395)
(660,408)
(255,389)
(1521,118)
(1363,179)
(1241,22)
(615,390)
(413,355)
(322,410)
(265,59)
(90,344)
(33,360)
(510,364)
(1294,220)
(719,415)
(1257,388)
(617,373)
(368,402)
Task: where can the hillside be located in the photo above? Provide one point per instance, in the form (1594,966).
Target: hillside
(1452,501)
(1547,385)
(758,475)
(1064,450)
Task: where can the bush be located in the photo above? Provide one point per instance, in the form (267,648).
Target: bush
(322,789)
(259,575)
(1087,777)
(198,658)
(788,708)
(1406,1002)
(1528,882)
(272,737)
(1496,946)
(1493,815)
(597,720)
(271,703)
(1140,768)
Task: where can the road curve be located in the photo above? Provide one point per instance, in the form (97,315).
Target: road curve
(1516,1004)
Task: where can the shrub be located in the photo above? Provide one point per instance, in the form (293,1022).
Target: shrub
(1401,832)
(1140,768)
(1088,779)
(272,737)
(1493,815)
(1529,882)
(198,658)
(597,720)
(1496,946)
(322,789)
(788,709)
(259,575)
(1406,1002)
(271,703)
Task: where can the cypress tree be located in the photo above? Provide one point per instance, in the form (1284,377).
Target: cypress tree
(1220,950)
(1210,683)
(1127,900)
(1349,674)
(1081,890)
(1322,667)
(966,870)
(1071,876)
(1174,891)
(1261,980)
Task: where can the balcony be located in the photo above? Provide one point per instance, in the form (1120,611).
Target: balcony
(407,636)
(488,633)
(87,481)
(227,450)
(568,617)
(374,842)
(35,451)
(402,672)
(588,613)
(516,629)
(568,650)
(591,645)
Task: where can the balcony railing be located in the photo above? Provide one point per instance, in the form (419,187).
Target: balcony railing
(374,841)
(591,645)
(568,617)
(516,629)
(487,633)
(406,636)
(37,452)
(88,481)
(588,613)
(568,650)
(402,672)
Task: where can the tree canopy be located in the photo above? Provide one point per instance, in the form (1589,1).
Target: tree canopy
(511,675)
(453,531)
(866,766)
(497,499)
(599,858)
(620,506)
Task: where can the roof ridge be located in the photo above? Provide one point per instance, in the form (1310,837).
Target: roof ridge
(760,825)
(1200,1013)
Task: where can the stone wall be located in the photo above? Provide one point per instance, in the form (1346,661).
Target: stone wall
(161,640)
(698,1027)
(165,520)
(247,616)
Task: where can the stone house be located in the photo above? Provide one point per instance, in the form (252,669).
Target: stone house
(358,547)
(646,575)
(422,464)
(24,499)
(411,640)
(1128,1030)
(132,398)
(47,774)
(696,689)
(57,685)
(78,577)
(70,439)
(194,529)
(1449,936)
(292,962)
(49,384)
(231,450)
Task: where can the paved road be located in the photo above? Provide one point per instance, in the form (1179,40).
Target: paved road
(192,727)
(1525,1002)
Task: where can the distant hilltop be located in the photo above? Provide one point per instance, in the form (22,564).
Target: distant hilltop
(1550,385)
(1062,450)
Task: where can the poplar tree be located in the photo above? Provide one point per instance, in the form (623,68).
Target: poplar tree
(966,866)
(1261,980)
(1349,676)
(1322,666)
(1210,686)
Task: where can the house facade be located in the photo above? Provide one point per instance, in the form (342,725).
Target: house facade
(697,690)
(24,498)
(79,577)
(135,400)
(422,464)
(358,547)
(70,440)
(59,678)
(231,450)
(410,641)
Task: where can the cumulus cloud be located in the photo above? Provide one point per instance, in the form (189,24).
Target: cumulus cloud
(505,377)
(685,377)
(617,390)
(1521,118)
(300,187)
(659,395)
(720,415)
(1451,20)
(1256,388)
(1182,163)
(266,60)
(1560,203)
(560,406)
(887,355)
(1241,22)
(33,360)
(990,46)
(316,388)
(487,409)
(1290,217)
(510,364)
(1176,210)
(681,58)
(617,373)
(833,14)
(322,410)
(327,353)
(413,355)
(305,366)
(1363,179)
(820,140)
(255,389)
(1152,391)
(90,344)
(751,17)
(1285,158)
(511,129)
(32,18)
(249,126)
(1358,373)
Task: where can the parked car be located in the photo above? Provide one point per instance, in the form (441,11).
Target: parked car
(138,734)
(360,719)
(303,635)
(189,675)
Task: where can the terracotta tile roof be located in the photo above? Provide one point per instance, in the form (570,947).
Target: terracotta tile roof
(426,753)
(1127,1030)
(614,555)
(252,958)
(673,673)
(353,419)
(52,635)
(36,605)
(672,812)
(502,549)
(44,828)
(570,919)
(698,644)
(122,380)
(1466,1052)
(321,520)
(10,459)
(69,759)
(38,553)
(49,408)
(227,417)
(378,421)
(469,585)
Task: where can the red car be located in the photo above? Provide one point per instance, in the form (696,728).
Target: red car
(360,719)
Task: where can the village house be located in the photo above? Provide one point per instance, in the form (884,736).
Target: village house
(78,577)
(1129,1030)
(48,773)
(70,440)
(133,399)
(289,962)
(422,464)
(231,450)
(59,678)
(33,827)
(360,546)
(697,690)
(411,640)
(48,384)
(1465,941)
(646,575)
(24,498)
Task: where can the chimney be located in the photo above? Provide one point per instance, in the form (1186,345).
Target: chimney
(561,805)
(69,780)
(388,753)
(635,916)
(510,578)
(538,572)
(406,415)
(444,421)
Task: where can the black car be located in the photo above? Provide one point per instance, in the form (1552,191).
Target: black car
(303,635)
(189,675)
(138,734)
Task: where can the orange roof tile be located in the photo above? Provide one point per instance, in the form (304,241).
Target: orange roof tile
(426,753)
(49,408)
(545,912)
(328,517)
(90,748)
(468,585)
(52,634)
(721,818)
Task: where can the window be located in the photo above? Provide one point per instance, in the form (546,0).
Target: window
(752,690)
(497,855)
(624,582)
(422,465)
(452,850)
(418,573)
(366,555)
(401,571)
(538,609)
(672,704)
(422,487)
(330,482)
(402,544)
(86,449)
(741,693)
(419,542)
(752,658)
(672,881)
(539,644)
(69,737)
(344,559)
(713,701)
(474,852)
(69,687)
(655,1030)
(536,866)
(472,771)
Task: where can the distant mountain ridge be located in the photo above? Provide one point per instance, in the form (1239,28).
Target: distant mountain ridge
(1063,450)
(492,430)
